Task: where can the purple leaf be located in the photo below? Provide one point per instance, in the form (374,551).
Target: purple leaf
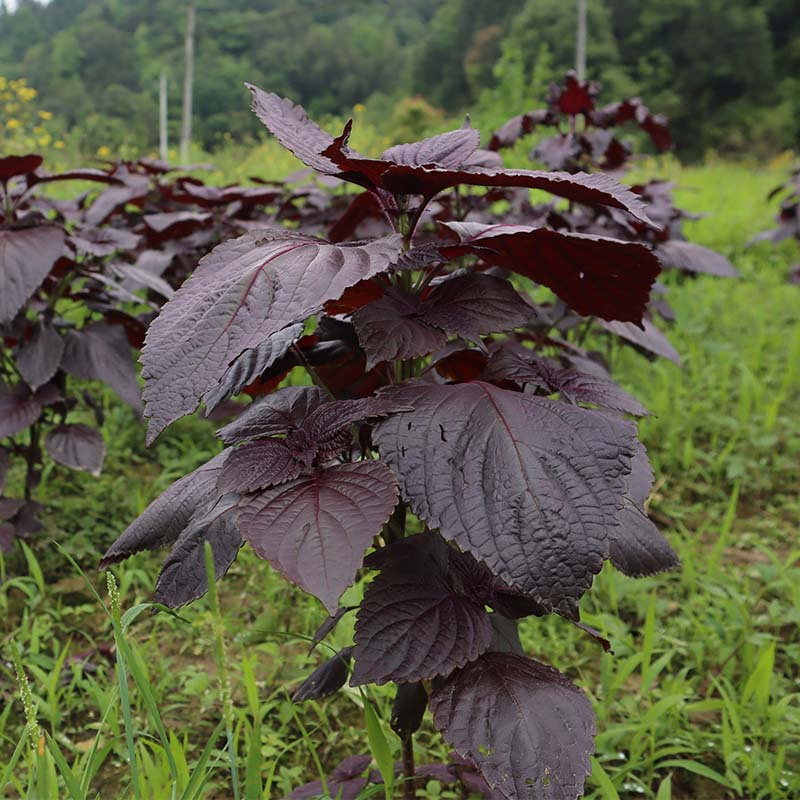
(416,622)
(39,358)
(9,508)
(183,577)
(101,242)
(408,709)
(475,304)
(275,414)
(316,148)
(528,729)
(257,465)
(649,338)
(328,625)
(532,487)
(5,463)
(393,328)
(523,367)
(558,152)
(505,635)
(344,783)
(689,257)
(326,679)
(449,150)
(400,325)
(291,126)
(77,446)
(18,410)
(133,188)
(241,293)
(639,548)
(100,352)
(83,174)
(593,275)
(249,366)
(26,258)
(316,528)
(166,518)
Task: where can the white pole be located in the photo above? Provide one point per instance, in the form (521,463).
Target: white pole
(188,79)
(163,143)
(580,42)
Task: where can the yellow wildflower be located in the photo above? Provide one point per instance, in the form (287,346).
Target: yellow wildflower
(45,115)
(45,140)
(359,107)
(3,83)
(103,152)
(13,124)
(59,145)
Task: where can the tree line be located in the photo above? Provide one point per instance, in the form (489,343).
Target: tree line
(726,71)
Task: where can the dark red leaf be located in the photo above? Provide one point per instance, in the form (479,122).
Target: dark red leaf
(355,297)
(575,97)
(593,275)
(393,328)
(241,293)
(523,723)
(291,126)
(93,175)
(530,486)
(316,528)
(101,242)
(364,206)
(77,446)
(26,257)
(11,166)
(558,152)
(328,625)
(176,224)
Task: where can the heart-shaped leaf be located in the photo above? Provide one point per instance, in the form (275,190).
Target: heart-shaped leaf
(528,729)
(77,446)
(530,486)
(315,529)
(39,358)
(26,258)
(418,620)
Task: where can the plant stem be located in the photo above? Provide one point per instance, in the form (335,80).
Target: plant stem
(409,789)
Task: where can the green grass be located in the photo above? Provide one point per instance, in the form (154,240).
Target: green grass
(700,698)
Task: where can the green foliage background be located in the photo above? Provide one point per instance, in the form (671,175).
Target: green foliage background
(727,71)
